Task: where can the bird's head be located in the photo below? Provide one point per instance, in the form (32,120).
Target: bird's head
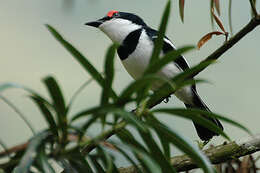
(117,25)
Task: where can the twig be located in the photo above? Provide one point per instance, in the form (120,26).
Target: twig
(252,3)
(231,42)
(218,154)
(14,149)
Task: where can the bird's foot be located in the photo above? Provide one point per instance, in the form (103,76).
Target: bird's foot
(202,144)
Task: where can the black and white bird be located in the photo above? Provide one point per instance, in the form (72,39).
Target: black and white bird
(136,43)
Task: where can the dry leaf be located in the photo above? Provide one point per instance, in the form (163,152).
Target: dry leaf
(207,37)
(216,2)
(181,8)
(218,21)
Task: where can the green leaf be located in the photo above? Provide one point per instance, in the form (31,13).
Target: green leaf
(5,148)
(43,163)
(159,40)
(10,85)
(86,112)
(58,104)
(106,159)
(109,74)
(165,144)
(196,117)
(169,57)
(127,116)
(80,164)
(136,86)
(97,165)
(56,95)
(31,152)
(46,114)
(167,89)
(183,144)
(127,157)
(146,160)
(23,117)
(127,138)
(156,152)
(80,58)
(67,166)
(210,114)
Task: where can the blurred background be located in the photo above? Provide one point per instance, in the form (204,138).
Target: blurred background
(28,53)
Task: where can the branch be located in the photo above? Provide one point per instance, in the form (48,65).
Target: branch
(252,3)
(231,42)
(216,155)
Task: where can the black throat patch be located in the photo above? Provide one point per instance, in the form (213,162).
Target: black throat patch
(129,44)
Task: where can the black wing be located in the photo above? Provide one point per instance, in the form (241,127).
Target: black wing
(167,47)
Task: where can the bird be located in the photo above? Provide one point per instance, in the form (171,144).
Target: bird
(136,42)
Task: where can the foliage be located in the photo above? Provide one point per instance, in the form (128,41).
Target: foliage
(66,142)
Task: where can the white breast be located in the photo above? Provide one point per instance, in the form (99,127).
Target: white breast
(137,62)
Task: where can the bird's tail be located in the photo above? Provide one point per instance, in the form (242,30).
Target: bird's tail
(204,133)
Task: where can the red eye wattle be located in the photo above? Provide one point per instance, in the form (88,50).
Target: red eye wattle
(111,13)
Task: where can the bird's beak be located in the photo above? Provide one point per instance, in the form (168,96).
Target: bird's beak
(95,24)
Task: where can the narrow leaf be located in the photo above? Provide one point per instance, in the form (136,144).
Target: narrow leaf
(81,165)
(218,21)
(46,114)
(169,57)
(216,2)
(230,17)
(9,85)
(196,117)
(183,144)
(136,86)
(97,165)
(147,161)
(109,74)
(23,117)
(127,157)
(31,152)
(56,95)
(58,104)
(207,37)
(156,152)
(106,159)
(181,9)
(43,163)
(80,58)
(5,148)
(67,166)
(211,15)
(159,40)
(210,114)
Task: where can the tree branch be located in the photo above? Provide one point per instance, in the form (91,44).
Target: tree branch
(216,155)
(231,42)
(252,3)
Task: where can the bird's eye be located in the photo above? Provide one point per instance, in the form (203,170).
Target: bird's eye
(115,15)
